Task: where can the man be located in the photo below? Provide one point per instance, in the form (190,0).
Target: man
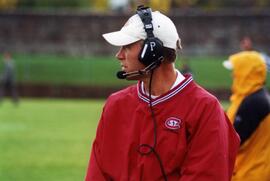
(166,127)
(7,79)
(249,112)
(247,45)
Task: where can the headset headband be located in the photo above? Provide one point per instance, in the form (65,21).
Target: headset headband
(145,13)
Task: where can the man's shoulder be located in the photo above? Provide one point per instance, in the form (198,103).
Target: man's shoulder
(123,95)
(198,93)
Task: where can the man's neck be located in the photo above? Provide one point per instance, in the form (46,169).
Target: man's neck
(162,80)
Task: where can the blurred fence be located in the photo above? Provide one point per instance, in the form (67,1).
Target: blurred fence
(80,33)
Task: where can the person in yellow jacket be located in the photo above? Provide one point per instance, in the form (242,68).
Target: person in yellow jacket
(249,113)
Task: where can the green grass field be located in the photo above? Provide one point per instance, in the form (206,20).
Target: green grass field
(47,139)
(43,140)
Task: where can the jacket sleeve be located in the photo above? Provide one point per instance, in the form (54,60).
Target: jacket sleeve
(212,146)
(94,171)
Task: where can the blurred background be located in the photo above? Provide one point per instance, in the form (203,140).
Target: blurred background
(59,50)
(63,71)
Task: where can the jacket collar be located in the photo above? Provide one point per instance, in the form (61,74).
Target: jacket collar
(178,88)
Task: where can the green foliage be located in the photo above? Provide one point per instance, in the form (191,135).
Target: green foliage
(220,3)
(53,3)
(174,3)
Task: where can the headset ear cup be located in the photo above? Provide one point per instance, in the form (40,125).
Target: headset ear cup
(152,50)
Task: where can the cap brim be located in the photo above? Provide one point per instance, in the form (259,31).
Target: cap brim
(118,38)
(227,64)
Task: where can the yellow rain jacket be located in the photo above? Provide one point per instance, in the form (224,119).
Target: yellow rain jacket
(249,75)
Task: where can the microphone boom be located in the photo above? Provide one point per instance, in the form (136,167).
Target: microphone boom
(125,75)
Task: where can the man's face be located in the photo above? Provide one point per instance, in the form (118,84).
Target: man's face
(128,57)
(246,44)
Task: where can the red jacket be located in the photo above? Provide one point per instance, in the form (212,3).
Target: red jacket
(195,140)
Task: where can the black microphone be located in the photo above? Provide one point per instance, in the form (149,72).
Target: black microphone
(121,75)
(125,75)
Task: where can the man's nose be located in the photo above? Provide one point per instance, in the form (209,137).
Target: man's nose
(120,54)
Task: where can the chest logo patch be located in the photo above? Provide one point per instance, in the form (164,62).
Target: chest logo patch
(173,123)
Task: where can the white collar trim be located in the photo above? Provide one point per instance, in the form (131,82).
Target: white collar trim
(179,79)
(180,83)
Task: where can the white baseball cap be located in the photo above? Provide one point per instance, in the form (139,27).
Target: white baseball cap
(133,31)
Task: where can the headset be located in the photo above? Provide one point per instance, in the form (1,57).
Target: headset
(152,50)
(151,54)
